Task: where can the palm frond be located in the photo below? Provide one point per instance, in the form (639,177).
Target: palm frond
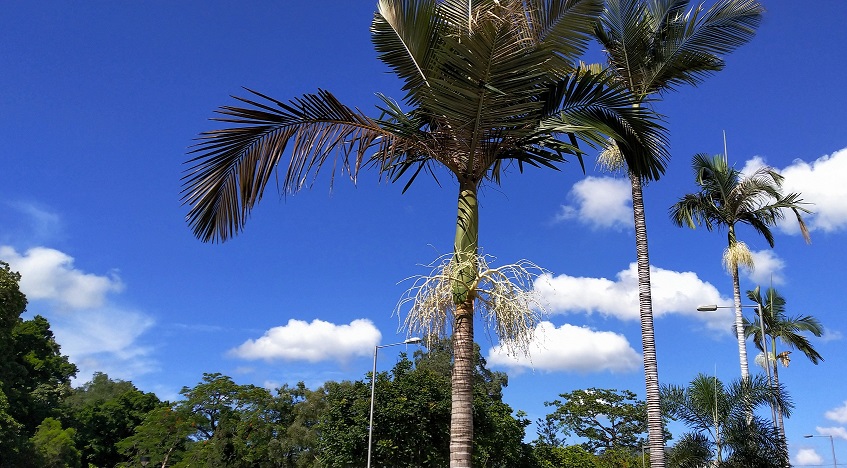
(593,107)
(405,34)
(233,166)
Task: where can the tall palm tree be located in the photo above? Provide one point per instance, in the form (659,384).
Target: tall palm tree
(487,82)
(717,415)
(653,47)
(728,198)
(781,328)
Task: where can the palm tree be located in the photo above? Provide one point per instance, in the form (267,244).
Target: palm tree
(653,47)
(728,198)
(721,433)
(487,82)
(784,329)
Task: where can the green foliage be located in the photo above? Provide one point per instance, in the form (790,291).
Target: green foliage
(104,412)
(221,424)
(572,456)
(162,437)
(54,446)
(412,416)
(607,419)
(723,429)
(34,375)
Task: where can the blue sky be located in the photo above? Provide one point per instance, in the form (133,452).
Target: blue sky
(101,100)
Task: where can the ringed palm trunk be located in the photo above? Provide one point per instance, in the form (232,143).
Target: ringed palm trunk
(465,250)
(739,317)
(776,385)
(656,436)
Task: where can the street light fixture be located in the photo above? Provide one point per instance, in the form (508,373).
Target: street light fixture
(413,340)
(831,444)
(713,307)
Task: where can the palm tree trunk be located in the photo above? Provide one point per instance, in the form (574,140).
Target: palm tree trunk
(465,251)
(739,322)
(461,415)
(776,385)
(656,436)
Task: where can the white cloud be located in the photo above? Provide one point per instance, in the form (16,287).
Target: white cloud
(571,348)
(672,293)
(768,268)
(105,340)
(312,342)
(820,183)
(806,456)
(39,223)
(838,414)
(838,432)
(97,335)
(601,202)
(831,335)
(48,274)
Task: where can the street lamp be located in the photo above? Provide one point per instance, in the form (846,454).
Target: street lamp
(831,444)
(713,307)
(413,340)
(144,460)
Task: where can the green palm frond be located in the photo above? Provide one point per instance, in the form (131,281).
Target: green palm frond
(657,45)
(234,165)
(563,26)
(594,107)
(487,85)
(787,330)
(727,198)
(405,35)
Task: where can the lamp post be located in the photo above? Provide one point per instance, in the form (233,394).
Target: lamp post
(413,340)
(831,444)
(713,307)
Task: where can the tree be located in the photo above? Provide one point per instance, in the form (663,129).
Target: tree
(104,412)
(606,418)
(34,375)
(653,47)
(54,446)
(723,431)
(412,417)
(487,83)
(727,199)
(219,423)
(572,456)
(234,424)
(784,329)
(162,437)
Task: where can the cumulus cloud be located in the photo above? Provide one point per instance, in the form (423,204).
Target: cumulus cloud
(312,342)
(838,414)
(807,456)
(838,432)
(48,274)
(95,334)
(600,202)
(769,268)
(673,292)
(571,348)
(821,183)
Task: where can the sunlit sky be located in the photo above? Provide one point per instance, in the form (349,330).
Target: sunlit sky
(101,100)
